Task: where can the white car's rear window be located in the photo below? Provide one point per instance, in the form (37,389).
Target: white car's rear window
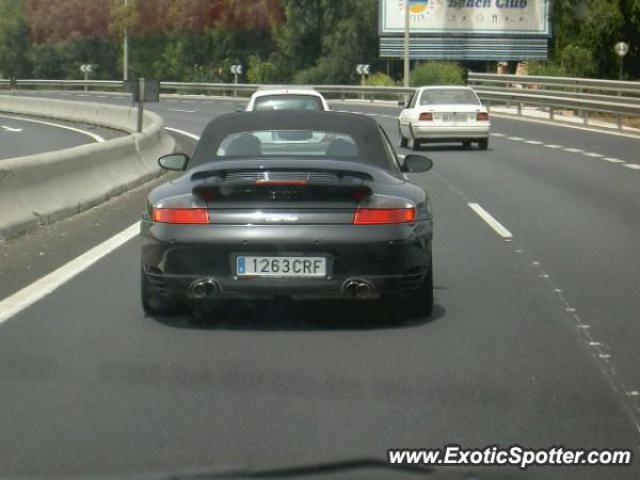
(449,96)
(288,102)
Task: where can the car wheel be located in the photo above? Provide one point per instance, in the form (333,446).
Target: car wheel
(417,305)
(420,303)
(153,302)
(415,144)
(466,144)
(483,143)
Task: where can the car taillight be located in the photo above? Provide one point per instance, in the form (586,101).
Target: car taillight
(381,216)
(426,117)
(482,117)
(180,215)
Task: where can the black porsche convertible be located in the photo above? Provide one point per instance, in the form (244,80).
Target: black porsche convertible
(299,204)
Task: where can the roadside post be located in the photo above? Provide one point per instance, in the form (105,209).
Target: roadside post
(236,69)
(621,49)
(363,70)
(142,90)
(86,68)
(140,103)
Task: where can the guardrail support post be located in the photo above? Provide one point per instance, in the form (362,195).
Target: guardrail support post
(551,113)
(619,121)
(585,117)
(140,103)
(519,109)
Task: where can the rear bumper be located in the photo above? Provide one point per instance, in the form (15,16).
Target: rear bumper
(425,132)
(392,259)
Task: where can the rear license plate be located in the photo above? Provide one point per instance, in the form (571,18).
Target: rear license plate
(455,117)
(281,266)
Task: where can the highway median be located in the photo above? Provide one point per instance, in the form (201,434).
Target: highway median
(44,188)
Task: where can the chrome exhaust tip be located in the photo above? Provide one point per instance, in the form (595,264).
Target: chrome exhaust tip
(204,288)
(356,288)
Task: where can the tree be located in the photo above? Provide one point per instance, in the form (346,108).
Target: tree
(577,61)
(437,73)
(14,39)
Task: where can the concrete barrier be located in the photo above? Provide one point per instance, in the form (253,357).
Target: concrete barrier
(44,188)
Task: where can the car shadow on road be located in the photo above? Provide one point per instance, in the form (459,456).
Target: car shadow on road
(445,147)
(291,315)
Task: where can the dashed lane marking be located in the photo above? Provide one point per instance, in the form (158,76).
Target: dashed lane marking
(491,221)
(632,166)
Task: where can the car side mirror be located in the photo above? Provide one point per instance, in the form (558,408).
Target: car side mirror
(417,164)
(239,108)
(174,161)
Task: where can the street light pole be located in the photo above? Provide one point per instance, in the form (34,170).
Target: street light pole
(125,49)
(407,19)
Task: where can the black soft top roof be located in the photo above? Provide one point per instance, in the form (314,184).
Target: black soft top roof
(364,131)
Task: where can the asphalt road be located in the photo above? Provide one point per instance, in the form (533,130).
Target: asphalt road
(534,339)
(22,135)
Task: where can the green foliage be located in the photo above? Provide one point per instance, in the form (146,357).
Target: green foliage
(260,71)
(437,73)
(279,41)
(14,39)
(577,61)
(546,69)
(380,79)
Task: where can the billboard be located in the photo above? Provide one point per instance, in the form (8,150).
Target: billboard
(467,17)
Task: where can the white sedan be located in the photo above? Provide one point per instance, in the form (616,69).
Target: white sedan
(444,114)
(277,98)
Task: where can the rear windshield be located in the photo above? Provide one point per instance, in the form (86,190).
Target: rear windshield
(287,102)
(449,96)
(285,143)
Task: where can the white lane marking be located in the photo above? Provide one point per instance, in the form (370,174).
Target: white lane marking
(574,150)
(492,222)
(612,160)
(42,287)
(594,155)
(516,139)
(82,95)
(533,142)
(180,110)
(498,135)
(11,129)
(96,137)
(632,166)
(182,132)
(551,145)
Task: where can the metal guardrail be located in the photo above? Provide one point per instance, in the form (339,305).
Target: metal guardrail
(585,96)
